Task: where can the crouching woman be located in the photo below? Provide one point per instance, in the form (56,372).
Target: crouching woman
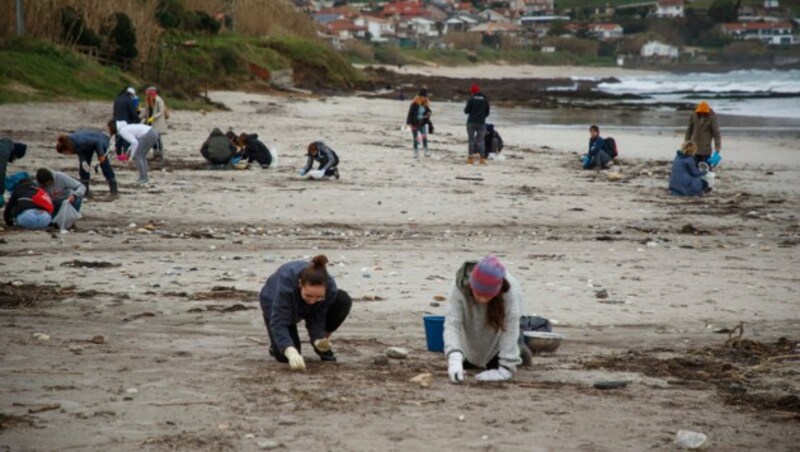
(482,323)
(686,178)
(301,290)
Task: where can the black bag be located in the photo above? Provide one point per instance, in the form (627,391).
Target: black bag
(611,147)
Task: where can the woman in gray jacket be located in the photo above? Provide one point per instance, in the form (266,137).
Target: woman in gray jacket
(482,323)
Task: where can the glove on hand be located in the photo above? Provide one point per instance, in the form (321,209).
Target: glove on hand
(499,374)
(455,367)
(296,361)
(323,345)
(150,120)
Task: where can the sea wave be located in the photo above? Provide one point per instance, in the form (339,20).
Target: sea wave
(736,82)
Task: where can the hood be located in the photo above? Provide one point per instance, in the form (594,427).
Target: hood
(462,277)
(703,108)
(217,133)
(252,136)
(18,152)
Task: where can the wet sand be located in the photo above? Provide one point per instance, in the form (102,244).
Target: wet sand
(184,365)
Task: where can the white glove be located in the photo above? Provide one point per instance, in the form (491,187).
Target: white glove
(499,374)
(455,367)
(323,345)
(296,361)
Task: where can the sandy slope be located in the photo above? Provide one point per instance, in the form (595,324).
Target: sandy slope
(564,234)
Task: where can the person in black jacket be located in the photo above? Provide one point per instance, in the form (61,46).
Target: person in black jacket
(301,290)
(9,151)
(477,110)
(419,120)
(254,150)
(494,142)
(126,109)
(327,158)
(29,207)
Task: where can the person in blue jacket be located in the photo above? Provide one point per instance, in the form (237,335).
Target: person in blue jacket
(301,290)
(597,154)
(85,143)
(686,179)
(327,158)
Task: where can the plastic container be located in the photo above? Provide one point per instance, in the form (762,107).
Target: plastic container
(434,332)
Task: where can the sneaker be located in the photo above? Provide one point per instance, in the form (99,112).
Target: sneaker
(142,182)
(470,160)
(328,356)
(336,173)
(483,161)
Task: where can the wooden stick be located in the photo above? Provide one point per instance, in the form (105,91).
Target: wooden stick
(782,357)
(257,341)
(469,178)
(186,403)
(40,409)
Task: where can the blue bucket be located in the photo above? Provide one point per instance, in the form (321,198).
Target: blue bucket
(434,332)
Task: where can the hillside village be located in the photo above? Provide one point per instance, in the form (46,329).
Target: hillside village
(664,29)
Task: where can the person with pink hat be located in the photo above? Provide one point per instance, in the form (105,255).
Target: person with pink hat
(482,322)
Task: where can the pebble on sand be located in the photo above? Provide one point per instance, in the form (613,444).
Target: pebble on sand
(687,439)
(423,380)
(396,352)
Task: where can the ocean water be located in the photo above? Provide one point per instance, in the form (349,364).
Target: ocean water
(752,93)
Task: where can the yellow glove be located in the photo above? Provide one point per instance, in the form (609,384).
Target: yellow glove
(323,345)
(150,120)
(296,361)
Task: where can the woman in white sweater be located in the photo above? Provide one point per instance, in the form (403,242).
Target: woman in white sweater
(481,327)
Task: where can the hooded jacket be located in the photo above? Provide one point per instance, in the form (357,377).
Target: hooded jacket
(63,186)
(685,179)
(413,117)
(9,151)
(87,141)
(326,157)
(283,306)
(703,128)
(255,150)
(124,109)
(20,201)
(477,108)
(157,111)
(466,329)
(218,147)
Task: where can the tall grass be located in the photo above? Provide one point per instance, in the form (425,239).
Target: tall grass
(260,17)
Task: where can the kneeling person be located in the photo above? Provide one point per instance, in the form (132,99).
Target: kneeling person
(218,149)
(61,187)
(327,158)
(254,150)
(301,290)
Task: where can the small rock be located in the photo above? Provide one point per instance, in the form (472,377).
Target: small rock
(687,439)
(485,437)
(423,380)
(652,244)
(614,177)
(98,339)
(461,417)
(269,258)
(268,444)
(435,304)
(439,298)
(601,294)
(396,353)
(380,360)
(606,385)
(132,391)
(41,337)
(249,436)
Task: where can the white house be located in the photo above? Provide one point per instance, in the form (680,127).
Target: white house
(421,26)
(670,8)
(460,23)
(772,4)
(379,29)
(490,15)
(774,33)
(655,49)
(606,32)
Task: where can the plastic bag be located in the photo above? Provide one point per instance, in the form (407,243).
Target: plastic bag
(316,174)
(67,216)
(274,152)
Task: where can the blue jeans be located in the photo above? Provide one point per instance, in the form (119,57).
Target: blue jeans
(476,133)
(601,159)
(34,219)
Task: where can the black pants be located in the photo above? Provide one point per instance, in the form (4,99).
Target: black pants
(86,156)
(337,313)
(493,363)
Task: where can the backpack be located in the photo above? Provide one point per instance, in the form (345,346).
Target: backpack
(42,200)
(611,148)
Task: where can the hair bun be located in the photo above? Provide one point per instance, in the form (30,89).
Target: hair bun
(320,261)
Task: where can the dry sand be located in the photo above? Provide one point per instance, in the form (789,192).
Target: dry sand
(181,366)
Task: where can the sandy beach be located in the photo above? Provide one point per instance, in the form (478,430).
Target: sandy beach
(181,360)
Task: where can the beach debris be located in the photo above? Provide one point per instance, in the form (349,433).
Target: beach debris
(435,304)
(380,360)
(485,437)
(652,244)
(469,178)
(605,385)
(439,298)
(461,417)
(606,301)
(424,380)
(614,177)
(687,439)
(43,408)
(268,258)
(41,337)
(397,353)
(601,294)
(98,339)
(268,444)
(132,391)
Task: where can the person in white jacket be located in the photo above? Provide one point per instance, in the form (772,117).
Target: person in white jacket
(482,323)
(141,138)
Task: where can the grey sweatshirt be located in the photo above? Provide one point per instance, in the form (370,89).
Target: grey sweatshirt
(466,330)
(63,186)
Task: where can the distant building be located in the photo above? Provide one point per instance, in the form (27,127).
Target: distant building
(497,28)
(404,10)
(490,15)
(606,32)
(772,4)
(532,7)
(461,23)
(422,27)
(670,8)
(540,25)
(379,29)
(346,29)
(774,33)
(655,49)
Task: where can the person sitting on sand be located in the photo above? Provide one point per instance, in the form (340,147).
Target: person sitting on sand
(253,150)
(702,129)
(9,151)
(61,187)
(494,142)
(686,179)
(597,155)
(327,158)
(29,206)
(482,322)
(141,139)
(85,143)
(218,149)
(418,118)
(301,290)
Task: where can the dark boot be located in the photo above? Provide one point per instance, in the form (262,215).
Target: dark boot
(325,356)
(112,187)
(89,193)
